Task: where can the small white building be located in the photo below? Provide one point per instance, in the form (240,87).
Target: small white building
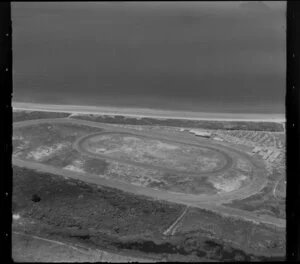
(257,149)
(218,139)
(200,133)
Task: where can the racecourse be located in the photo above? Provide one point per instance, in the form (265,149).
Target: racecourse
(210,202)
(79,146)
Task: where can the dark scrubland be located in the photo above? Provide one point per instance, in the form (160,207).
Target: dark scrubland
(204,124)
(19,116)
(77,204)
(101,217)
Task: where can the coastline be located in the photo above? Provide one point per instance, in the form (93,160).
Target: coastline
(148,113)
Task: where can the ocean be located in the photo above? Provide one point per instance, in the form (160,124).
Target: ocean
(196,56)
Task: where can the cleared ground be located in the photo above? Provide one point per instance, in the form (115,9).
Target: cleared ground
(161,154)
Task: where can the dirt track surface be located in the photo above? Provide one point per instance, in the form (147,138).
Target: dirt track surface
(210,202)
(229,161)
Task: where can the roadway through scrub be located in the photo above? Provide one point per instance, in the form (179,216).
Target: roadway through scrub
(210,202)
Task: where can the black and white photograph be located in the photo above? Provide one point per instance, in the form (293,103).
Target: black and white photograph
(149,131)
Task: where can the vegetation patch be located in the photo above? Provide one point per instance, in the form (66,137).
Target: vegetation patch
(204,124)
(19,116)
(70,202)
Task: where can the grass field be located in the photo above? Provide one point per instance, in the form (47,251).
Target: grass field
(175,156)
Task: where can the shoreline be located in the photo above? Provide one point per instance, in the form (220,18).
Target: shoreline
(148,113)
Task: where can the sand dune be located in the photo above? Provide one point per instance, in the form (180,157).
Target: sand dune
(144,112)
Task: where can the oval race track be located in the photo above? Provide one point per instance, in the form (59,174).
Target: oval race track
(212,202)
(80,146)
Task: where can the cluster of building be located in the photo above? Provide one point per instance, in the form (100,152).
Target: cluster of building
(202,133)
(197,132)
(269,153)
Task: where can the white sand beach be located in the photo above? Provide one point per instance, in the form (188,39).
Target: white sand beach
(151,113)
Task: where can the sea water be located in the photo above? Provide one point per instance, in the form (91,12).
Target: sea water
(194,56)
